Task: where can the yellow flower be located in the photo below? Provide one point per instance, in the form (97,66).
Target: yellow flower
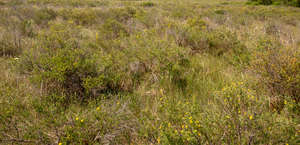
(227,116)
(285,102)
(169,124)
(158,140)
(251,117)
(97,36)
(60,143)
(81,120)
(98,108)
(191,121)
(161,91)
(76,118)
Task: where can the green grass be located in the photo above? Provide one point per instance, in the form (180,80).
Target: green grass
(149,72)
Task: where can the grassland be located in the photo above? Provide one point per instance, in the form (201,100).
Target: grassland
(178,72)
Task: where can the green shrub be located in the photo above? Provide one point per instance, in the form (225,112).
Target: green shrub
(148,4)
(215,42)
(43,16)
(285,2)
(79,16)
(122,14)
(279,69)
(112,29)
(60,35)
(235,115)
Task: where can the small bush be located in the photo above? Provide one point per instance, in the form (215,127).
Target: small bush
(113,29)
(279,68)
(285,2)
(234,115)
(121,14)
(79,16)
(215,42)
(43,16)
(148,4)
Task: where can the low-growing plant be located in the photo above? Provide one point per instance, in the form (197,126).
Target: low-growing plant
(277,2)
(279,69)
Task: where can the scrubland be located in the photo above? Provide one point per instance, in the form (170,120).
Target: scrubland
(149,72)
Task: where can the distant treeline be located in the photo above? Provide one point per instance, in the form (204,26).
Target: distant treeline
(277,2)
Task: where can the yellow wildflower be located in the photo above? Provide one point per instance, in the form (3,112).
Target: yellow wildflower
(251,117)
(98,108)
(161,91)
(60,143)
(158,140)
(191,121)
(76,118)
(285,102)
(81,120)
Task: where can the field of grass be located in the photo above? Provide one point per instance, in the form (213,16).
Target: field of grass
(142,72)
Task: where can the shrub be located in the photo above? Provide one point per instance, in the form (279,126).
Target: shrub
(148,4)
(215,42)
(285,2)
(113,29)
(279,69)
(122,14)
(79,16)
(43,16)
(234,115)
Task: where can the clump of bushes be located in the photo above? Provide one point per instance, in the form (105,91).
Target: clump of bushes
(79,16)
(200,39)
(279,68)
(234,115)
(270,2)
(148,4)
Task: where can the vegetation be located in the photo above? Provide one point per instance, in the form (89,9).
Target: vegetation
(149,72)
(277,2)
